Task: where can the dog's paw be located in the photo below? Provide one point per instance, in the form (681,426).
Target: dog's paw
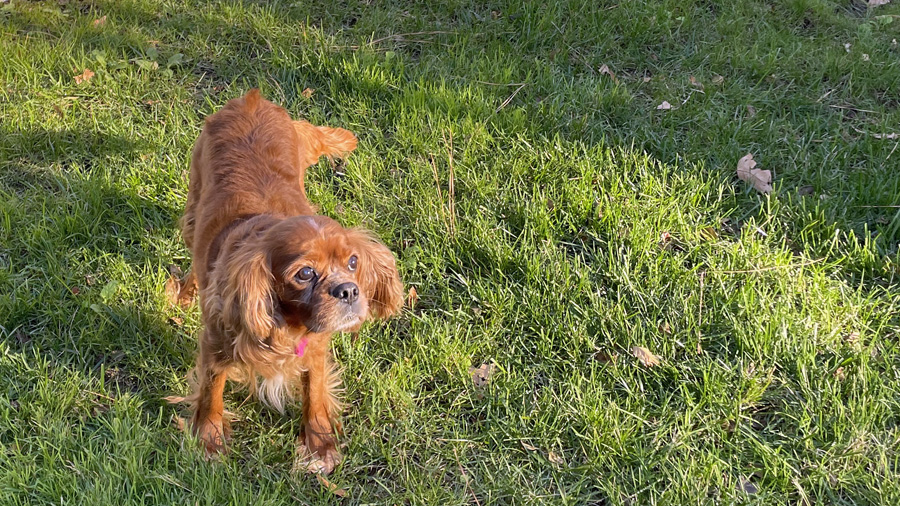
(317,453)
(214,435)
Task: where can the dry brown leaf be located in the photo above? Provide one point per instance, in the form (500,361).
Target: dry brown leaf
(645,356)
(604,69)
(878,3)
(481,375)
(747,486)
(307,92)
(606,356)
(759,179)
(173,289)
(751,110)
(176,321)
(665,328)
(889,137)
(664,106)
(331,487)
(99,22)
(717,79)
(695,83)
(840,374)
(664,238)
(556,459)
(412,297)
(647,79)
(84,76)
(528,446)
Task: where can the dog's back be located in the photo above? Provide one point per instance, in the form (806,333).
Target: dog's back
(251,159)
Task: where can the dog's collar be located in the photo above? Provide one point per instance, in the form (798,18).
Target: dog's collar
(301,347)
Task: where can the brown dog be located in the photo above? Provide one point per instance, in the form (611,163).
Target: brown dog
(275,279)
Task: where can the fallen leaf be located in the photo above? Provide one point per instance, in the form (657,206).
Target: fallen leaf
(645,356)
(647,79)
(481,375)
(695,83)
(307,92)
(665,328)
(99,22)
(604,69)
(878,3)
(556,459)
(173,289)
(412,297)
(758,178)
(84,76)
(664,239)
(606,357)
(176,321)
(21,336)
(751,110)
(528,446)
(331,487)
(840,374)
(717,79)
(865,57)
(664,106)
(75,290)
(747,486)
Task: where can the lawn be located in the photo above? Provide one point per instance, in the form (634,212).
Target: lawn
(552,218)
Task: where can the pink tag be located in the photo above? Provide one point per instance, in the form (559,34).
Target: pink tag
(301,347)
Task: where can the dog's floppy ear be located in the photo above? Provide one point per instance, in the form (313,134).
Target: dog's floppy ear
(378,277)
(245,284)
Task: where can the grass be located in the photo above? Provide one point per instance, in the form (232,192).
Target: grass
(776,317)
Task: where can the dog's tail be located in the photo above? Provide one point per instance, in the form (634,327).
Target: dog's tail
(324,141)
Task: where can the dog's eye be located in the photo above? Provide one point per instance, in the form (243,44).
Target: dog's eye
(352,263)
(306,274)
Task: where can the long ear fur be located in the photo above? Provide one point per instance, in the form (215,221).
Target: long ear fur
(379,277)
(245,284)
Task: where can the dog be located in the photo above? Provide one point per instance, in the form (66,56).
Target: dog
(275,279)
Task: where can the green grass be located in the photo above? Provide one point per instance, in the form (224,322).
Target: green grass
(776,317)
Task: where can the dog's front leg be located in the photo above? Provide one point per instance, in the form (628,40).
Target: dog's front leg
(208,423)
(320,406)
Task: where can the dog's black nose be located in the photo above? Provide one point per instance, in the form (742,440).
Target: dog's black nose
(346,292)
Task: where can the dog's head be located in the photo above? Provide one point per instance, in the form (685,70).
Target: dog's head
(307,272)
